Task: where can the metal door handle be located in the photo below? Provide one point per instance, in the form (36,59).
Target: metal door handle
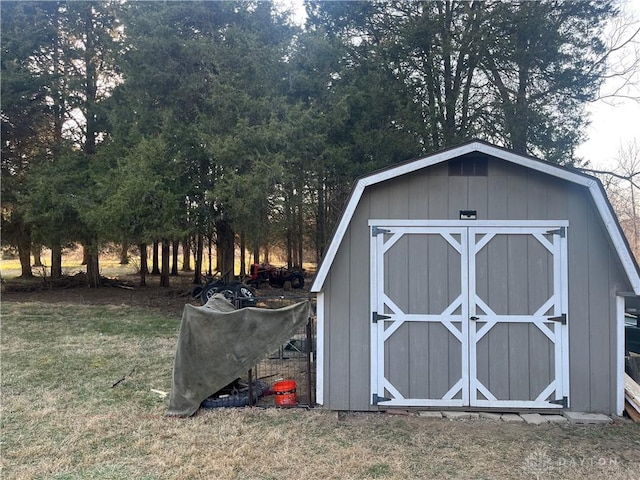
(474,318)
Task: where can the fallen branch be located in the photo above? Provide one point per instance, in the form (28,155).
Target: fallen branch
(123,378)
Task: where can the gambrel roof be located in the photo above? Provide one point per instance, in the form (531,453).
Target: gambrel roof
(594,186)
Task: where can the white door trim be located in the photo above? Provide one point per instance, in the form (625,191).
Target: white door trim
(396,317)
(467,223)
(469,335)
(557,301)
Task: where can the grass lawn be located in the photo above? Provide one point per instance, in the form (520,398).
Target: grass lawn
(62,418)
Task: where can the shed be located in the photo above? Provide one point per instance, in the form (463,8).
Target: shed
(474,278)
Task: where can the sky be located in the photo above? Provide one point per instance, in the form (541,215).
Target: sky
(614,123)
(613,126)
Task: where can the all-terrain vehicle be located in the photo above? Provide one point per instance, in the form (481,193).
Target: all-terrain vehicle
(274,276)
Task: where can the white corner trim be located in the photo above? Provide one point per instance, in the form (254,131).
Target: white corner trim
(320,348)
(619,354)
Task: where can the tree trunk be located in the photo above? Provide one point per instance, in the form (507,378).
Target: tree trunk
(243,248)
(37,255)
(321,222)
(210,258)
(124,253)
(175,250)
(155,268)
(448,110)
(24,253)
(519,127)
(225,251)
(256,252)
(90,81)
(289,228)
(56,261)
(186,254)
(197,277)
(93,267)
(144,268)
(300,231)
(164,275)
(289,249)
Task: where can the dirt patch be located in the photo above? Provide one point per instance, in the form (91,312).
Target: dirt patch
(172,298)
(123,290)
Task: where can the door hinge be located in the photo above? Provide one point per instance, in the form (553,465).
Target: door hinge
(562,231)
(375,231)
(375,399)
(561,318)
(375,316)
(564,401)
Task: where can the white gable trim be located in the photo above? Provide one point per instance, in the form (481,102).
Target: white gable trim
(581,179)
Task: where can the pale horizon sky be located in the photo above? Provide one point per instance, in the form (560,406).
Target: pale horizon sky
(613,126)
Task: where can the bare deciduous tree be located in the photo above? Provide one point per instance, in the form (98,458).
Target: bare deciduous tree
(623,189)
(622,59)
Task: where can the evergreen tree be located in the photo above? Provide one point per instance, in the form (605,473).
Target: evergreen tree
(542,63)
(26,116)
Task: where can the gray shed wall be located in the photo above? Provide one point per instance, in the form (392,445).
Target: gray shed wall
(509,192)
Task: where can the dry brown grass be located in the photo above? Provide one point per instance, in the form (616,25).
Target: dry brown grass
(62,419)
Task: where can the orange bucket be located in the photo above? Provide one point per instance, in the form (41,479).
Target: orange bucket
(285,393)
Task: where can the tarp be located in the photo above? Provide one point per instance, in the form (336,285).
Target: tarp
(218,344)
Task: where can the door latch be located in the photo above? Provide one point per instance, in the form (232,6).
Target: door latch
(474,318)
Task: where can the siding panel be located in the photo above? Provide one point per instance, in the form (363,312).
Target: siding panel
(339,324)
(437,191)
(478,196)
(398,352)
(358,307)
(458,196)
(599,309)
(579,345)
(509,192)
(420,198)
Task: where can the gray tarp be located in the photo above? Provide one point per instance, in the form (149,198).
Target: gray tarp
(218,344)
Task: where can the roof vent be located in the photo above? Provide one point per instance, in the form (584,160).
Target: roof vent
(469,166)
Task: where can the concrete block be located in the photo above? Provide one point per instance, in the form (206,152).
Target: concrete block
(393,411)
(459,415)
(533,418)
(555,418)
(490,416)
(430,414)
(511,418)
(587,418)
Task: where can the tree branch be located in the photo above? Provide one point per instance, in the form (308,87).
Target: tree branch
(628,178)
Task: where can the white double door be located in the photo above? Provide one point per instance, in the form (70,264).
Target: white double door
(469,314)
